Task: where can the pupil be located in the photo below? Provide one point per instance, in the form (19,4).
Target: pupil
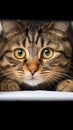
(47,52)
(20,52)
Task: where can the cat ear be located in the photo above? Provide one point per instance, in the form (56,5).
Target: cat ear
(59,28)
(46,26)
(10,26)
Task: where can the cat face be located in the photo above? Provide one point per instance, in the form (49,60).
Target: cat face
(33,54)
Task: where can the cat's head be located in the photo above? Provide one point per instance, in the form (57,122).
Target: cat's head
(34,53)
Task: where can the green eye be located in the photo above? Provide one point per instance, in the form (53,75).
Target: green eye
(47,53)
(19,53)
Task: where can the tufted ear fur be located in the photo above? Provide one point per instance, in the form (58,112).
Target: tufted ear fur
(11,26)
(59,28)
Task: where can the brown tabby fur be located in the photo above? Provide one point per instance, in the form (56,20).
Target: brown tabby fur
(33,71)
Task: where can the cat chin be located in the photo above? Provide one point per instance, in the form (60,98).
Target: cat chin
(33,82)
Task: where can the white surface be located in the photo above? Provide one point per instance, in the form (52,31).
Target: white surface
(36,96)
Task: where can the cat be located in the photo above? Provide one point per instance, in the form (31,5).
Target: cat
(35,56)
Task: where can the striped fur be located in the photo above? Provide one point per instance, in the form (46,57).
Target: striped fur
(33,70)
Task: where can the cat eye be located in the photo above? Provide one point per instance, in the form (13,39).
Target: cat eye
(47,53)
(19,53)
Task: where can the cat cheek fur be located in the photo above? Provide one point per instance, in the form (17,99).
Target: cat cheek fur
(29,37)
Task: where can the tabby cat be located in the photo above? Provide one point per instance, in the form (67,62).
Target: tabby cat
(35,56)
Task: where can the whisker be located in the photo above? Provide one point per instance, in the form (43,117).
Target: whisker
(51,81)
(58,73)
(13,77)
(8,77)
(6,74)
(63,74)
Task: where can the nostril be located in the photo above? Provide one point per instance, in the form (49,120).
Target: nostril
(33,70)
(32,73)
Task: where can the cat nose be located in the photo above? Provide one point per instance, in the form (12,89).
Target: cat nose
(33,70)
(32,67)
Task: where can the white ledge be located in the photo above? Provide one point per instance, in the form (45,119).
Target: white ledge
(36,96)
